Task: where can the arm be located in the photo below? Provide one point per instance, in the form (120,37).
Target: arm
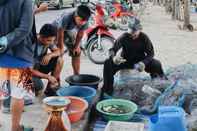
(55,53)
(43,7)
(25,25)
(37,73)
(78,38)
(148,50)
(60,39)
(62,23)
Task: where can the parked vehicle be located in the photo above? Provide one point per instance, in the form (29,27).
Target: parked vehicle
(58,3)
(83,1)
(118,15)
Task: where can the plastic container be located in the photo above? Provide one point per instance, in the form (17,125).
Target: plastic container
(124,126)
(193,9)
(99,125)
(128,105)
(84,80)
(169,118)
(76,108)
(84,92)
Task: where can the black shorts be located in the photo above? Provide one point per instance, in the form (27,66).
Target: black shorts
(37,82)
(47,68)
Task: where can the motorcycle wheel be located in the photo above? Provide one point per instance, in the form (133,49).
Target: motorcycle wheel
(123,22)
(96,55)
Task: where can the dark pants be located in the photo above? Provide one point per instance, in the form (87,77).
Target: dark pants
(154,68)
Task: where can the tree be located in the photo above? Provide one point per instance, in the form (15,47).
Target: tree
(186,14)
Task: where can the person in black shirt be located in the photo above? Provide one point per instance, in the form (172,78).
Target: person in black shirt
(132,50)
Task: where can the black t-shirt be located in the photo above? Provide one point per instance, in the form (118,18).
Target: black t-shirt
(135,50)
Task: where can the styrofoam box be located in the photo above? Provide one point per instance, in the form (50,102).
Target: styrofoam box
(124,126)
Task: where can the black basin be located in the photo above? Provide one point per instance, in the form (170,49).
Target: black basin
(84,80)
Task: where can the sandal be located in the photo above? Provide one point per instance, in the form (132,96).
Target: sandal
(25,128)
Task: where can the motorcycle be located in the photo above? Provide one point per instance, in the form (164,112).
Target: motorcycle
(118,15)
(97,39)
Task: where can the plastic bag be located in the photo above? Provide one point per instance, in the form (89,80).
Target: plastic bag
(4,90)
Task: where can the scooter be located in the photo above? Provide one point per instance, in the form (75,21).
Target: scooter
(118,15)
(97,39)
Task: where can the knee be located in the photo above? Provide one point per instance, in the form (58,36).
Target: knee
(156,63)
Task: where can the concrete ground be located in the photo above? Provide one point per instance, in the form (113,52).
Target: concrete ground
(172,46)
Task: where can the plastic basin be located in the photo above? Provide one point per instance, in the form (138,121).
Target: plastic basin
(84,92)
(84,80)
(76,108)
(129,105)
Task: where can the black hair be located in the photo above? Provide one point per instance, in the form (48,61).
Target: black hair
(83,11)
(48,30)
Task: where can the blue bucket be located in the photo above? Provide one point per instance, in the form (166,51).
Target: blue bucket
(169,118)
(84,92)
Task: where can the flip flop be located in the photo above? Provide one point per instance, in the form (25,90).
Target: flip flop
(24,128)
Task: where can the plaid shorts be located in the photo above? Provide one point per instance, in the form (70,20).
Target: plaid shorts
(20,82)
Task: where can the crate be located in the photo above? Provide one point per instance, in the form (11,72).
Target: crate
(124,126)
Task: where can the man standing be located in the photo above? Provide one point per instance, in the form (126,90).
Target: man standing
(70,32)
(137,53)
(16,53)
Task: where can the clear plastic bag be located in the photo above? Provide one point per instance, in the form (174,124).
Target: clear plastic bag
(4,90)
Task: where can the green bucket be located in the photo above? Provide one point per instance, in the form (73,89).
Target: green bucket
(126,104)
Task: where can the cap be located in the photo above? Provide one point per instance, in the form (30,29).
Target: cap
(134,25)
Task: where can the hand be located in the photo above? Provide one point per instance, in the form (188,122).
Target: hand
(46,59)
(140,66)
(43,7)
(77,50)
(52,79)
(3,44)
(118,60)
